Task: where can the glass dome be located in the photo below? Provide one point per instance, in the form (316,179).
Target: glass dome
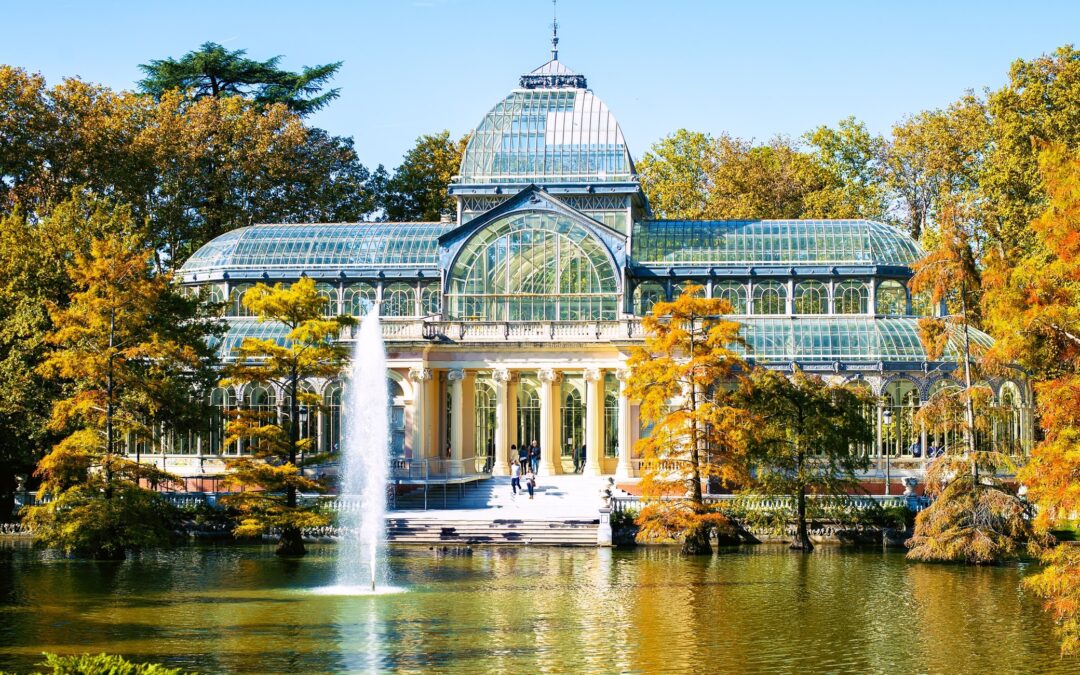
(751,242)
(553,134)
(314,247)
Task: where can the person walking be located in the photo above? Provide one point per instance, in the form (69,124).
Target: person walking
(530,481)
(523,456)
(581,459)
(534,456)
(515,477)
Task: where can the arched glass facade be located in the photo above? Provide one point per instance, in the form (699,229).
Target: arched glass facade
(770,297)
(811,297)
(732,291)
(533,266)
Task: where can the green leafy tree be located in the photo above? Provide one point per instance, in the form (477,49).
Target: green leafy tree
(855,159)
(130,349)
(675,174)
(270,474)
(417,191)
(683,377)
(214,71)
(803,438)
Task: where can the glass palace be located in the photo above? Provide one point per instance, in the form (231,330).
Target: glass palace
(511,321)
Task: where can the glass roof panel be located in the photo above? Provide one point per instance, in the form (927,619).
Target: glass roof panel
(547,135)
(750,242)
(321,246)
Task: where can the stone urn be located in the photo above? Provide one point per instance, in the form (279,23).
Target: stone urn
(909,486)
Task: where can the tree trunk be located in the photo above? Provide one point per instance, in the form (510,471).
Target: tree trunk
(802,537)
(696,541)
(969,406)
(291,542)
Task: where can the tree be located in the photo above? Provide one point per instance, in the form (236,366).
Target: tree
(417,191)
(130,349)
(271,468)
(683,377)
(855,159)
(675,174)
(1033,306)
(214,71)
(804,438)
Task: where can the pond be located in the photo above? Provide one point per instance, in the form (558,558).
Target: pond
(239,609)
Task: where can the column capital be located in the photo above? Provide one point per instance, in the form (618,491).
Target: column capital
(548,375)
(592,374)
(455,375)
(501,375)
(622,374)
(417,374)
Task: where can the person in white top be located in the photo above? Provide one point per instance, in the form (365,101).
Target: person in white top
(515,476)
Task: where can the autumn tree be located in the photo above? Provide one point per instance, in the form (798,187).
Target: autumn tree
(683,377)
(803,438)
(213,71)
(270,473)
(855,159)
(132,353)
(417,190)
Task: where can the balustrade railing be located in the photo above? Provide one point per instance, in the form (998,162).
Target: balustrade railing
(769,502)
(501,331)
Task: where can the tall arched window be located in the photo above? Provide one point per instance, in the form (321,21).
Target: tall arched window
(331,437)
(430,299)
(891,298)
(308,415)
(396,403)
(528,414)
(770,297)
(900,436)
(573,418)
(222,401)
(611,416)
(236,301)
(1009,431)
(646,295)
(949,436)
(357,298)
(852,297)
(328,293)
(533,266)
(732,291)
(868,412)
(484,405)
(811,297)
(260,403)
(398,300)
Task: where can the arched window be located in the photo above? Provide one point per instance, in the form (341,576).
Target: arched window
(868,412)
(260,403)
(236,301)
(357,298)
(308,416)
(682,286)
(921,305)
(732,291)
(646,295)
(398,300)
(528,414)
(811,297)
(852,297)
(328,293)
(900,436)
(611,416)
(430,299)
(222,400)
(891,298)
(770,297)
(332,418)
(484,438)
(573,418)
(1009,430)
(949,436)
(533,266)
(396,403)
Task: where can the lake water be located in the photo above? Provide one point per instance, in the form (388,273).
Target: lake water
(239,609)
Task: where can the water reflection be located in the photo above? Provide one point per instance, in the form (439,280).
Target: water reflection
(547,610)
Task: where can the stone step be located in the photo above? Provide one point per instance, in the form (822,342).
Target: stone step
(534,532)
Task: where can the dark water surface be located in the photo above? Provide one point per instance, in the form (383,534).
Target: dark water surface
(239,609)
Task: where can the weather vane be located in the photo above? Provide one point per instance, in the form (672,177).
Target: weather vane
(554,30)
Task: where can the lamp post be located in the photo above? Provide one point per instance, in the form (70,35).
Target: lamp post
(886,419)
(302,418)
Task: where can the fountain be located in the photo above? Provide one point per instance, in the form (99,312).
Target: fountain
(364,465)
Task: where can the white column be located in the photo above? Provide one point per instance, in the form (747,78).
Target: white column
(419,377)
(501,467)
(622,469)
(549,444)
(457,414)
(594,421)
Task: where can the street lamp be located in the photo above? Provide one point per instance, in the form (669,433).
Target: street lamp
(302,417)
(886,419)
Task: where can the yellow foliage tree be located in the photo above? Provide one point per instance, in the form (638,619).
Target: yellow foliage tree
(684,377)
(269,477)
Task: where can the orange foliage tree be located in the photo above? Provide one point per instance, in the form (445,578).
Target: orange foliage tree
(684,378)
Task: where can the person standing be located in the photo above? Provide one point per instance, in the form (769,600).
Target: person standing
(581,459)
(523,456)
(515,477)
(530,481)
(534,456)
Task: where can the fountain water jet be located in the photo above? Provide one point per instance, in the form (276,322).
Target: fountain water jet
(365,465)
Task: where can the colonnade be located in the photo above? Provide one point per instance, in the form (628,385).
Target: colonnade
(433,429)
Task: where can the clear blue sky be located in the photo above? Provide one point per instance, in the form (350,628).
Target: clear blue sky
(753,69)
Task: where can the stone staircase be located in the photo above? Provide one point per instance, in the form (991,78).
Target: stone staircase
(441,532)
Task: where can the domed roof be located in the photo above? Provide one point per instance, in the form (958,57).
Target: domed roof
(551,130)
(772,242)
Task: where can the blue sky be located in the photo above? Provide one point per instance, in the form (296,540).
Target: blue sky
(752,69)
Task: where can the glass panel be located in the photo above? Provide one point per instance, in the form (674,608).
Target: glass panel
(811,297)
(852,297)
(891,298)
